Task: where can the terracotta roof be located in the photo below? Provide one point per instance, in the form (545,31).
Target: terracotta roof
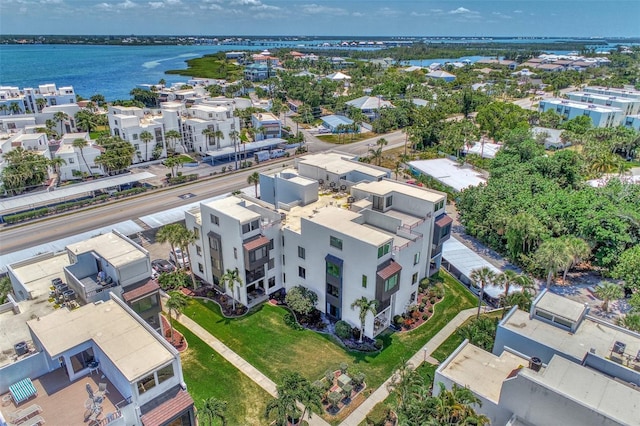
(175,401)
(147,288)
(258,242)
(443,221)
(390,270)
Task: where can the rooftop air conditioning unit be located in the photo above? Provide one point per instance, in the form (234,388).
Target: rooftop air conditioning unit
(535,363)
(619,347)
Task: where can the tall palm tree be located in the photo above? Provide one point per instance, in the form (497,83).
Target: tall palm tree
(630,321)
(146,137)
(56,163)
(219,135)
(176,303)
(212,408)
(365,306)
(254,179)
(506,280)
(183,238)
(41,103)
(454,406)
(14,108)
(167,234)
(208,134)
(609,291)
(482,277)
(173,136)
(60,117)
(284,406)
(230,279)
(552,256)
(234,138)
(81,143)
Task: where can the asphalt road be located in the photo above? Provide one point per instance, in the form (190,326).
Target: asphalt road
(18,237)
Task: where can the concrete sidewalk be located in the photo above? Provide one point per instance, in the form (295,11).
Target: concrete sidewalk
(249,370)
(380,394)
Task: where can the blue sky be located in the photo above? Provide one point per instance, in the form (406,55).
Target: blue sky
(322,17)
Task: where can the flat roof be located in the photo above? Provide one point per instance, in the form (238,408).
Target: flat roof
(234,207)
(338,163)
(449,173)
(387,186)
(603,97)
(112,247)
(580,105)
(24,202)
(561,306)
(36,275)
(343,221)
(589,388)
(128,345)
(249,146)
(591,333)
(481,371)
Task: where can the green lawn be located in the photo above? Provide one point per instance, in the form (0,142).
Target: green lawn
(207,375)
(345,138)
(268,344)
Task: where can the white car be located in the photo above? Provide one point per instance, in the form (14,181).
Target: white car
(180,259)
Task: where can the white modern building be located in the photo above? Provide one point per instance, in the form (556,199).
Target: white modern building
(629,106)
(78,162)
(632,121)
(600,115)
(16,101)
(333,225)
(267,125)
(555,365)
(612,91)
(129,123)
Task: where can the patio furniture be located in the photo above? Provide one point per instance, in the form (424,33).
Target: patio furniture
(93,367)
(344,380)
(6,400)
(22,390)
(34,421)
(20,416)
(102,389)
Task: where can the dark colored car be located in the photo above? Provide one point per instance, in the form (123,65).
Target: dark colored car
(161,265)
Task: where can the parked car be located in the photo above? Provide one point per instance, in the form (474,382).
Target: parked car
(162,265)
(180,259)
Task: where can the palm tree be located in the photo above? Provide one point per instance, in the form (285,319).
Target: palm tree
(454,407)
(234,138)
(56,163)
(578,250)
(172,136)
(81,143)
(608,291)
(85,120)
(482,277)
(41,103)
(365,306)
(552,256)
(230,278)
(219,135)
(184,238)
(376,154)
(403,383)
(208,134)
(146,137)
(15,108)
(212,408)
(60,117)
(176,303)
(284,407)
(505,280)
(254,179)
(630,321)
(167,234)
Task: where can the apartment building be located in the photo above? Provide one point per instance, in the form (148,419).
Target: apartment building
(267,126)
(629,106)
(333,225)
(218,119)
(78,162)
(129,123)
(16,101)
(555,365)
(601,115)
(36,142)
(612,91)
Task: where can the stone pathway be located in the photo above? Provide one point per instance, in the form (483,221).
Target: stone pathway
(380,394)
(249,370)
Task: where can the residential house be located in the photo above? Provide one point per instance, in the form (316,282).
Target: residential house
(339,76)
(259,71)
(441,75)
(332,123)
(370,105)
(267,125)
(570,367)
(601,116)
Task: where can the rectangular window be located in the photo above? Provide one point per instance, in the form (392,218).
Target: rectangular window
(416,258)
(196,232)
(333,290)
(235,253)
(364,281)
(377,203)
(165,373)
(135,138)
(215,219)
(272,282)
(200,267)
(391,283)
(283,241)
(302,273)
(71,161)
(283,262)
(271,244)
(414,278)
(284,278)
(246,228)
(389,201)
(198,250)
(301,252)
(272,264)
(335,242)
(382,250)
(147,383)
(333,270)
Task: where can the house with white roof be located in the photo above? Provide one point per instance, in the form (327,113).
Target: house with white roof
(569,367)
(370,105)
(600,115)
(441,75)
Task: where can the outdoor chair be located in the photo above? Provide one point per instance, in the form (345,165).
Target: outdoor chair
(102,389)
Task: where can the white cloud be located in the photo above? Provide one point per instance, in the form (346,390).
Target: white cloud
(517,11)
(104,6)
(358,14)
(156,4)
(460,11)
(501,15)
(211,6)
(265,7)
(246,3)
(317,9)
(387,11)
(173,2)
(127,4)
(51,1)
(419,14)
(436,10)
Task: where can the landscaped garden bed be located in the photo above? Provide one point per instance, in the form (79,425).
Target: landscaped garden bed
(225,303)
(431,292)
(340,388)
